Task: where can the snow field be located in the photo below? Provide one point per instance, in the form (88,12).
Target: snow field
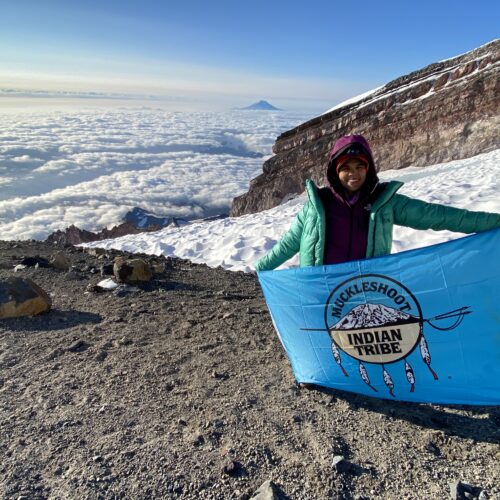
(236,243)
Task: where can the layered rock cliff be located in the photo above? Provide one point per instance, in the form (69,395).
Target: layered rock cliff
(446,111)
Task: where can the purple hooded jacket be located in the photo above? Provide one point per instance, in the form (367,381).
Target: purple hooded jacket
(347,218)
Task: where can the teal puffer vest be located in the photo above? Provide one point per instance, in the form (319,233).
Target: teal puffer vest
(307,232)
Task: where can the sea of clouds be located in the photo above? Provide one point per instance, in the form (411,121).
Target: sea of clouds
(89,167)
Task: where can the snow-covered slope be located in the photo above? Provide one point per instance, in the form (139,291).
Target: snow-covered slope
(236,243)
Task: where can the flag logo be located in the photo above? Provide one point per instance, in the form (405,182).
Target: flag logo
(375,319)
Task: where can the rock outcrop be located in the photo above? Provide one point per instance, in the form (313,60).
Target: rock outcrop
(446,111)
(135,221)
(73,235)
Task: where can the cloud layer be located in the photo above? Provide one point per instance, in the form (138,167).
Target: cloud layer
(89,168)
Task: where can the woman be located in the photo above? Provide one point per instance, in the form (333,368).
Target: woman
(353,216)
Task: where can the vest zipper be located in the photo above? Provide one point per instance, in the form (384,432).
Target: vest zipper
(350,234)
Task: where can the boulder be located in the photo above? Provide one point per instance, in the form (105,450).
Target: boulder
(60,261)
(131,270)
(22,297)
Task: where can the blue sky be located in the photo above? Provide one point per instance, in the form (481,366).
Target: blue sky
(231,52)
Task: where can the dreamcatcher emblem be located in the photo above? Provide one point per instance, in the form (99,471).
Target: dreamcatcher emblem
(376,320)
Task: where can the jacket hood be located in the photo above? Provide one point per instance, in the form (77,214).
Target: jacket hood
(340,146)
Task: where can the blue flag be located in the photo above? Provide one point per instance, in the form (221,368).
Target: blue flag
(421,325)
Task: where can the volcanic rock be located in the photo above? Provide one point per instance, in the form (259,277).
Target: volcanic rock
(230,467)
(72,236)
(446,111)
(158,414)
(78,346)
(340,464)
(463,491)
(35,262)
(96,252)
(22,297)
(131,270)
(60,261)
(75,236)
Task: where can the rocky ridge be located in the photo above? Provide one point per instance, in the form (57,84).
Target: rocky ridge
(179,388)
(135,221)
(446,111)
(73,235)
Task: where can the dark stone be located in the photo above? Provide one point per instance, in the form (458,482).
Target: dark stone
(340,464)
(101,356)
(463,491)
(78,346)
(230,467)
(433,448)
(33,261)
(198,440)
(106,269)
(220,375)
(94,288)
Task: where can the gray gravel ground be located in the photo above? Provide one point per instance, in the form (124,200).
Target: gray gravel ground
(182,390)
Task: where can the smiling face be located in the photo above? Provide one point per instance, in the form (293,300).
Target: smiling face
(352,175)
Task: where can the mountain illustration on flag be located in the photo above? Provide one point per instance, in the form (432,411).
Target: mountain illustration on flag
(369,315)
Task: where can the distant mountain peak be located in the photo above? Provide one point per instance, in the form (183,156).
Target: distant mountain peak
(262,105)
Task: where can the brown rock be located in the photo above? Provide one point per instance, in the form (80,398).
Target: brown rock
(446,111)
(131,270)
(74,235)
(60,261)
(22,297)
